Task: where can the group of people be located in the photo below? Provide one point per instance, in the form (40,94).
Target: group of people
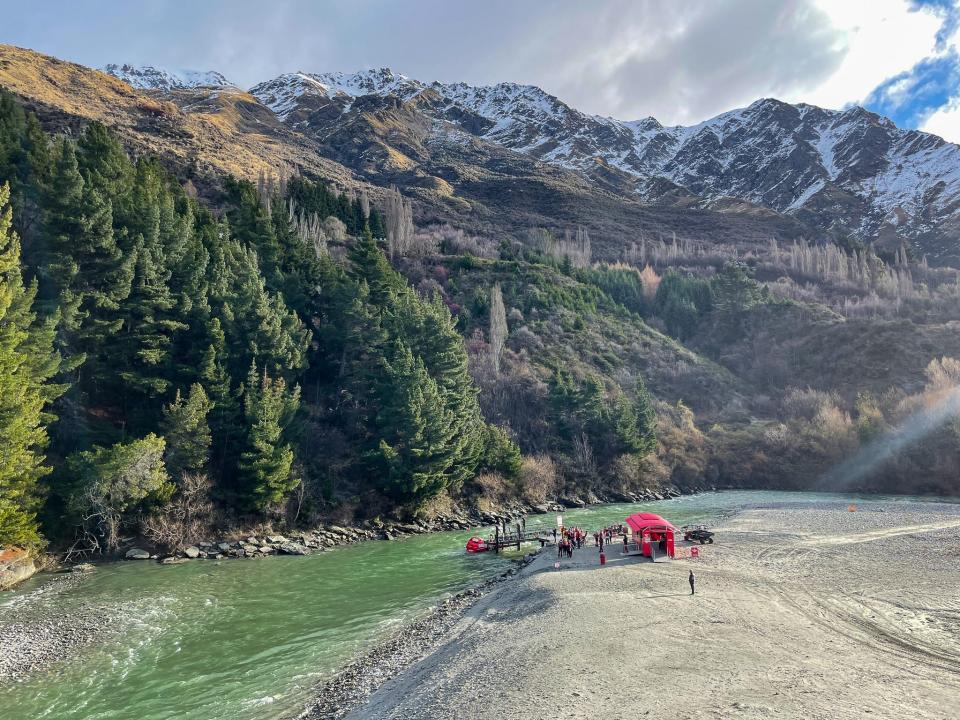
(569,540)
(607,534)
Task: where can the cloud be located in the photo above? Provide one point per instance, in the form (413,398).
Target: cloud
(881,38)
(679,61)
(911,97)
(945,121)
(682,65)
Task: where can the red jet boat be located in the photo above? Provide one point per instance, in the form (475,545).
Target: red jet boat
(477,545)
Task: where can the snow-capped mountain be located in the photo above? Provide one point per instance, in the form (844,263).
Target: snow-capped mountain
(290,91)
(150,77)
(848,172)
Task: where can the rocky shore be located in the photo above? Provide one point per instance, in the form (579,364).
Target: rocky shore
(366,674)
(305,542)
(33,638)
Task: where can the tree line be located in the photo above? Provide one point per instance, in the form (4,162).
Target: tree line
(149,339)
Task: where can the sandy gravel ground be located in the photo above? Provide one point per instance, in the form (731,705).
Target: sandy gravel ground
(800,612)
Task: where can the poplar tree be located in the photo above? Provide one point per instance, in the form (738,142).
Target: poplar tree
(498,326)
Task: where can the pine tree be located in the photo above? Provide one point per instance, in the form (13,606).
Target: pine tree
(415,431)
(266,463)
(82,270)
(102,161)
(646,419)
(187,433)
(27,362)
(224,417)
(368,264)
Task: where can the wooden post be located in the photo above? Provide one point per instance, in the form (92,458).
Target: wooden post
(519,536)
(496,538)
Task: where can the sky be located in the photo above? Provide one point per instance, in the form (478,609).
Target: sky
(681,62)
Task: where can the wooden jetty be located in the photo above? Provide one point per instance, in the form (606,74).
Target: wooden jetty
(502,540)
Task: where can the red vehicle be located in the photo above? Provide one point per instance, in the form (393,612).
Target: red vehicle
(477,545)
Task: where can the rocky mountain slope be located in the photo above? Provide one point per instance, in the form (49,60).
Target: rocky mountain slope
(452,176)
(503,158)
(844,173)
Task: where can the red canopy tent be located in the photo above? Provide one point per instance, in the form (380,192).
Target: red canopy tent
(652,530)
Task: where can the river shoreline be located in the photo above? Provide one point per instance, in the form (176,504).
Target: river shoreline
(364,675)
(35,640)
(239,544)
(801,611)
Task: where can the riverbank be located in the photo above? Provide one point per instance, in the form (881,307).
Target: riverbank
(33,638)
(364,675)
(801,611)
(260,542)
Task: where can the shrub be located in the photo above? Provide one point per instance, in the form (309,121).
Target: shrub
(114,484)
(538,478)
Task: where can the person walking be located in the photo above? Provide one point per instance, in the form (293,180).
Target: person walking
(692,580)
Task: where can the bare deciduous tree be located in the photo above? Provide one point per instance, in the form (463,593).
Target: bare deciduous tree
(185,518)
(399,221)
(574,249)
(498,327)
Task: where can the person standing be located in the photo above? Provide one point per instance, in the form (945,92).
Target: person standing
(692,580)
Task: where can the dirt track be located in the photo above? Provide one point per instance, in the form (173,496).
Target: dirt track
(801,612)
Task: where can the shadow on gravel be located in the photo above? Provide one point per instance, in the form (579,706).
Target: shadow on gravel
(651,597)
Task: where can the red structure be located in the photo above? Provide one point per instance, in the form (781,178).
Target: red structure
(654,534)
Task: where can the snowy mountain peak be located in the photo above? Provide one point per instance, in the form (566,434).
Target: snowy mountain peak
(151,77)
(853,168)
(285,93)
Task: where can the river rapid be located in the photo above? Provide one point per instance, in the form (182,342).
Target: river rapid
(245,639)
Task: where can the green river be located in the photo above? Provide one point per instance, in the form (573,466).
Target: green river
(245,639)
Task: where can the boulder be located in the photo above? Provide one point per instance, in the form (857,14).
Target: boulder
(249,549)
(291,548)
(83,568)
(224,546)
(16,565)
(137,554)
(276,539)
(171,560)
(265,550)
(252,541)
(191,552)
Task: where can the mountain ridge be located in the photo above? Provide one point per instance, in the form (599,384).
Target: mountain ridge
(153,77)
(847,172)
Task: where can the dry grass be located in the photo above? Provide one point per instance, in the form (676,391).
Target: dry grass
(217,138)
